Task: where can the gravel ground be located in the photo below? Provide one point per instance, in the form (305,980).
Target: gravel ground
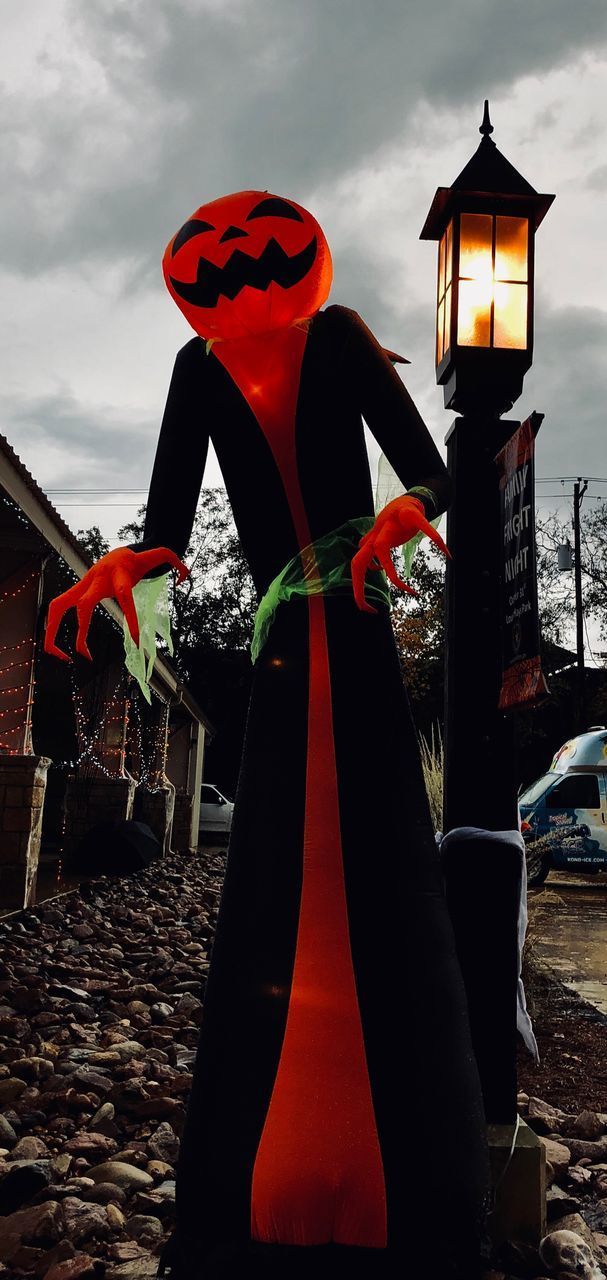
(100,1007)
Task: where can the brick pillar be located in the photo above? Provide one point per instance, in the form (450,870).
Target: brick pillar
(181,839)
(155,803)
(90,800)
(157,809)
(102,791)
(22,788)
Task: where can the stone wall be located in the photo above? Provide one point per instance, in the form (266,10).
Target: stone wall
(93,800)
(181,840)
(22,788)
(157,808)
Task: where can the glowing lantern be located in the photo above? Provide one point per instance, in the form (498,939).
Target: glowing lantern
(485,225)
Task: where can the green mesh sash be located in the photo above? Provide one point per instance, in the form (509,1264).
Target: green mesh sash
(322,568)
(152,605)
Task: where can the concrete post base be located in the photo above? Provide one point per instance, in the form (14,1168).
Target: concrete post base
(181,840)
(156,809)
(22,788)
(520,1195)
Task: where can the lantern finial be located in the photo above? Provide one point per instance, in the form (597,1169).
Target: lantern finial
(486,127)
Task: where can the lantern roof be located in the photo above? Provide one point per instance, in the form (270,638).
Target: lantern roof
(488,174)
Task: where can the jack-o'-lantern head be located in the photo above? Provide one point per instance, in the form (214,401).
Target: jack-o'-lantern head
(247,264)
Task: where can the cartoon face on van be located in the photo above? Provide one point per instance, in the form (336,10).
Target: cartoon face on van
(569,803)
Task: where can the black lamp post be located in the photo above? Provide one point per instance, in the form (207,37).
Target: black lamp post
(485,225)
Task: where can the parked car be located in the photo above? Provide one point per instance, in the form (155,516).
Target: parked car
(215,813)
(564,813)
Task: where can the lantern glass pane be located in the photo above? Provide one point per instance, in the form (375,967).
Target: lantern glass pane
(440,320)
(475,257)
(447,337)
(510,323)
(441,268)
(474,313)
(448,253)
(511,248)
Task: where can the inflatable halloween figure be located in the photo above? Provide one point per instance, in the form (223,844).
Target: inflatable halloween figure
(335,1039)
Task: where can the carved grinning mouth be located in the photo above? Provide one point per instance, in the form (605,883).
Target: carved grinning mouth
(274,266)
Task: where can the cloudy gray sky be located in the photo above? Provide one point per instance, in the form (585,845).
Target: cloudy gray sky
(122,116)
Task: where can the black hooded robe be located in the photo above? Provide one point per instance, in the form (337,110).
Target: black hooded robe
(329,729)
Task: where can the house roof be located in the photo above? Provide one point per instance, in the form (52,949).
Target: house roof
(24,490)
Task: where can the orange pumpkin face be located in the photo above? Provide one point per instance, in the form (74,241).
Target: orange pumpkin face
(246,264)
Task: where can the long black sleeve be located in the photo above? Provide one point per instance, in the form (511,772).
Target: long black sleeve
(392,416)
(180,460)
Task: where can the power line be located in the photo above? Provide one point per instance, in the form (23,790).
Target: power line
(95,490)
(563,479)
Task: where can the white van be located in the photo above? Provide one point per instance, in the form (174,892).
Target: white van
(569,805)
(215,813)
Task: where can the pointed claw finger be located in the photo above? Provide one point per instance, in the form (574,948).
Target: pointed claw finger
(147,560)
(84,612)
(359,565)
(55,652)
(435,537)
(393,576)
(56,610)
(124,596)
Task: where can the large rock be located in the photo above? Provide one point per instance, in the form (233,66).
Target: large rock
(30,1148)
(92,1146)
(106,1193)
(164,1143)
(11,1089)
(557,1154)
(581,1150)
(33,1069)
(24,1179)
(80,1267)
(127,1049)
(123,1175)
(144,1226)
(40,1224)
(544,1118)
(144,1267)
(102,1121)
(8,1137)
(84,1220)
(587,1125)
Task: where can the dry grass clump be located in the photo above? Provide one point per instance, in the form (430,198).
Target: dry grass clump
(433,765)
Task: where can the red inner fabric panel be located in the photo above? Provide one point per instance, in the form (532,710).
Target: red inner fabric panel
(318,1175)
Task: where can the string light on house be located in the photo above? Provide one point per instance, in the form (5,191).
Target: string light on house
(12,595)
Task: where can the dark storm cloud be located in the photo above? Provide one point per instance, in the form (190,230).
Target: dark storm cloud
(57,435)
(568,383)
(197,100)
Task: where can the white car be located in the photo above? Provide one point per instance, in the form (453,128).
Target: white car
(215,812)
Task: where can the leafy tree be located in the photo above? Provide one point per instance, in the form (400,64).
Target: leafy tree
(93,542)
(212,618)
(419,630)
(594,563)
(557,603)
(215,607)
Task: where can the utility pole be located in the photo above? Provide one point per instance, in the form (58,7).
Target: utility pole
(579,490)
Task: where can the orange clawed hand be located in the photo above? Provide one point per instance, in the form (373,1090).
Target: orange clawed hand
(113,576)
(396,524)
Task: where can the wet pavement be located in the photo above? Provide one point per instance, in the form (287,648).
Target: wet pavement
(569,932)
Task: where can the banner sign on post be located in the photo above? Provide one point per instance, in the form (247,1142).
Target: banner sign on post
(523,682)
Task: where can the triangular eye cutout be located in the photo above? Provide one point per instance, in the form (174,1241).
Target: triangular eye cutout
(274,207)
(192,228)
(232,233)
